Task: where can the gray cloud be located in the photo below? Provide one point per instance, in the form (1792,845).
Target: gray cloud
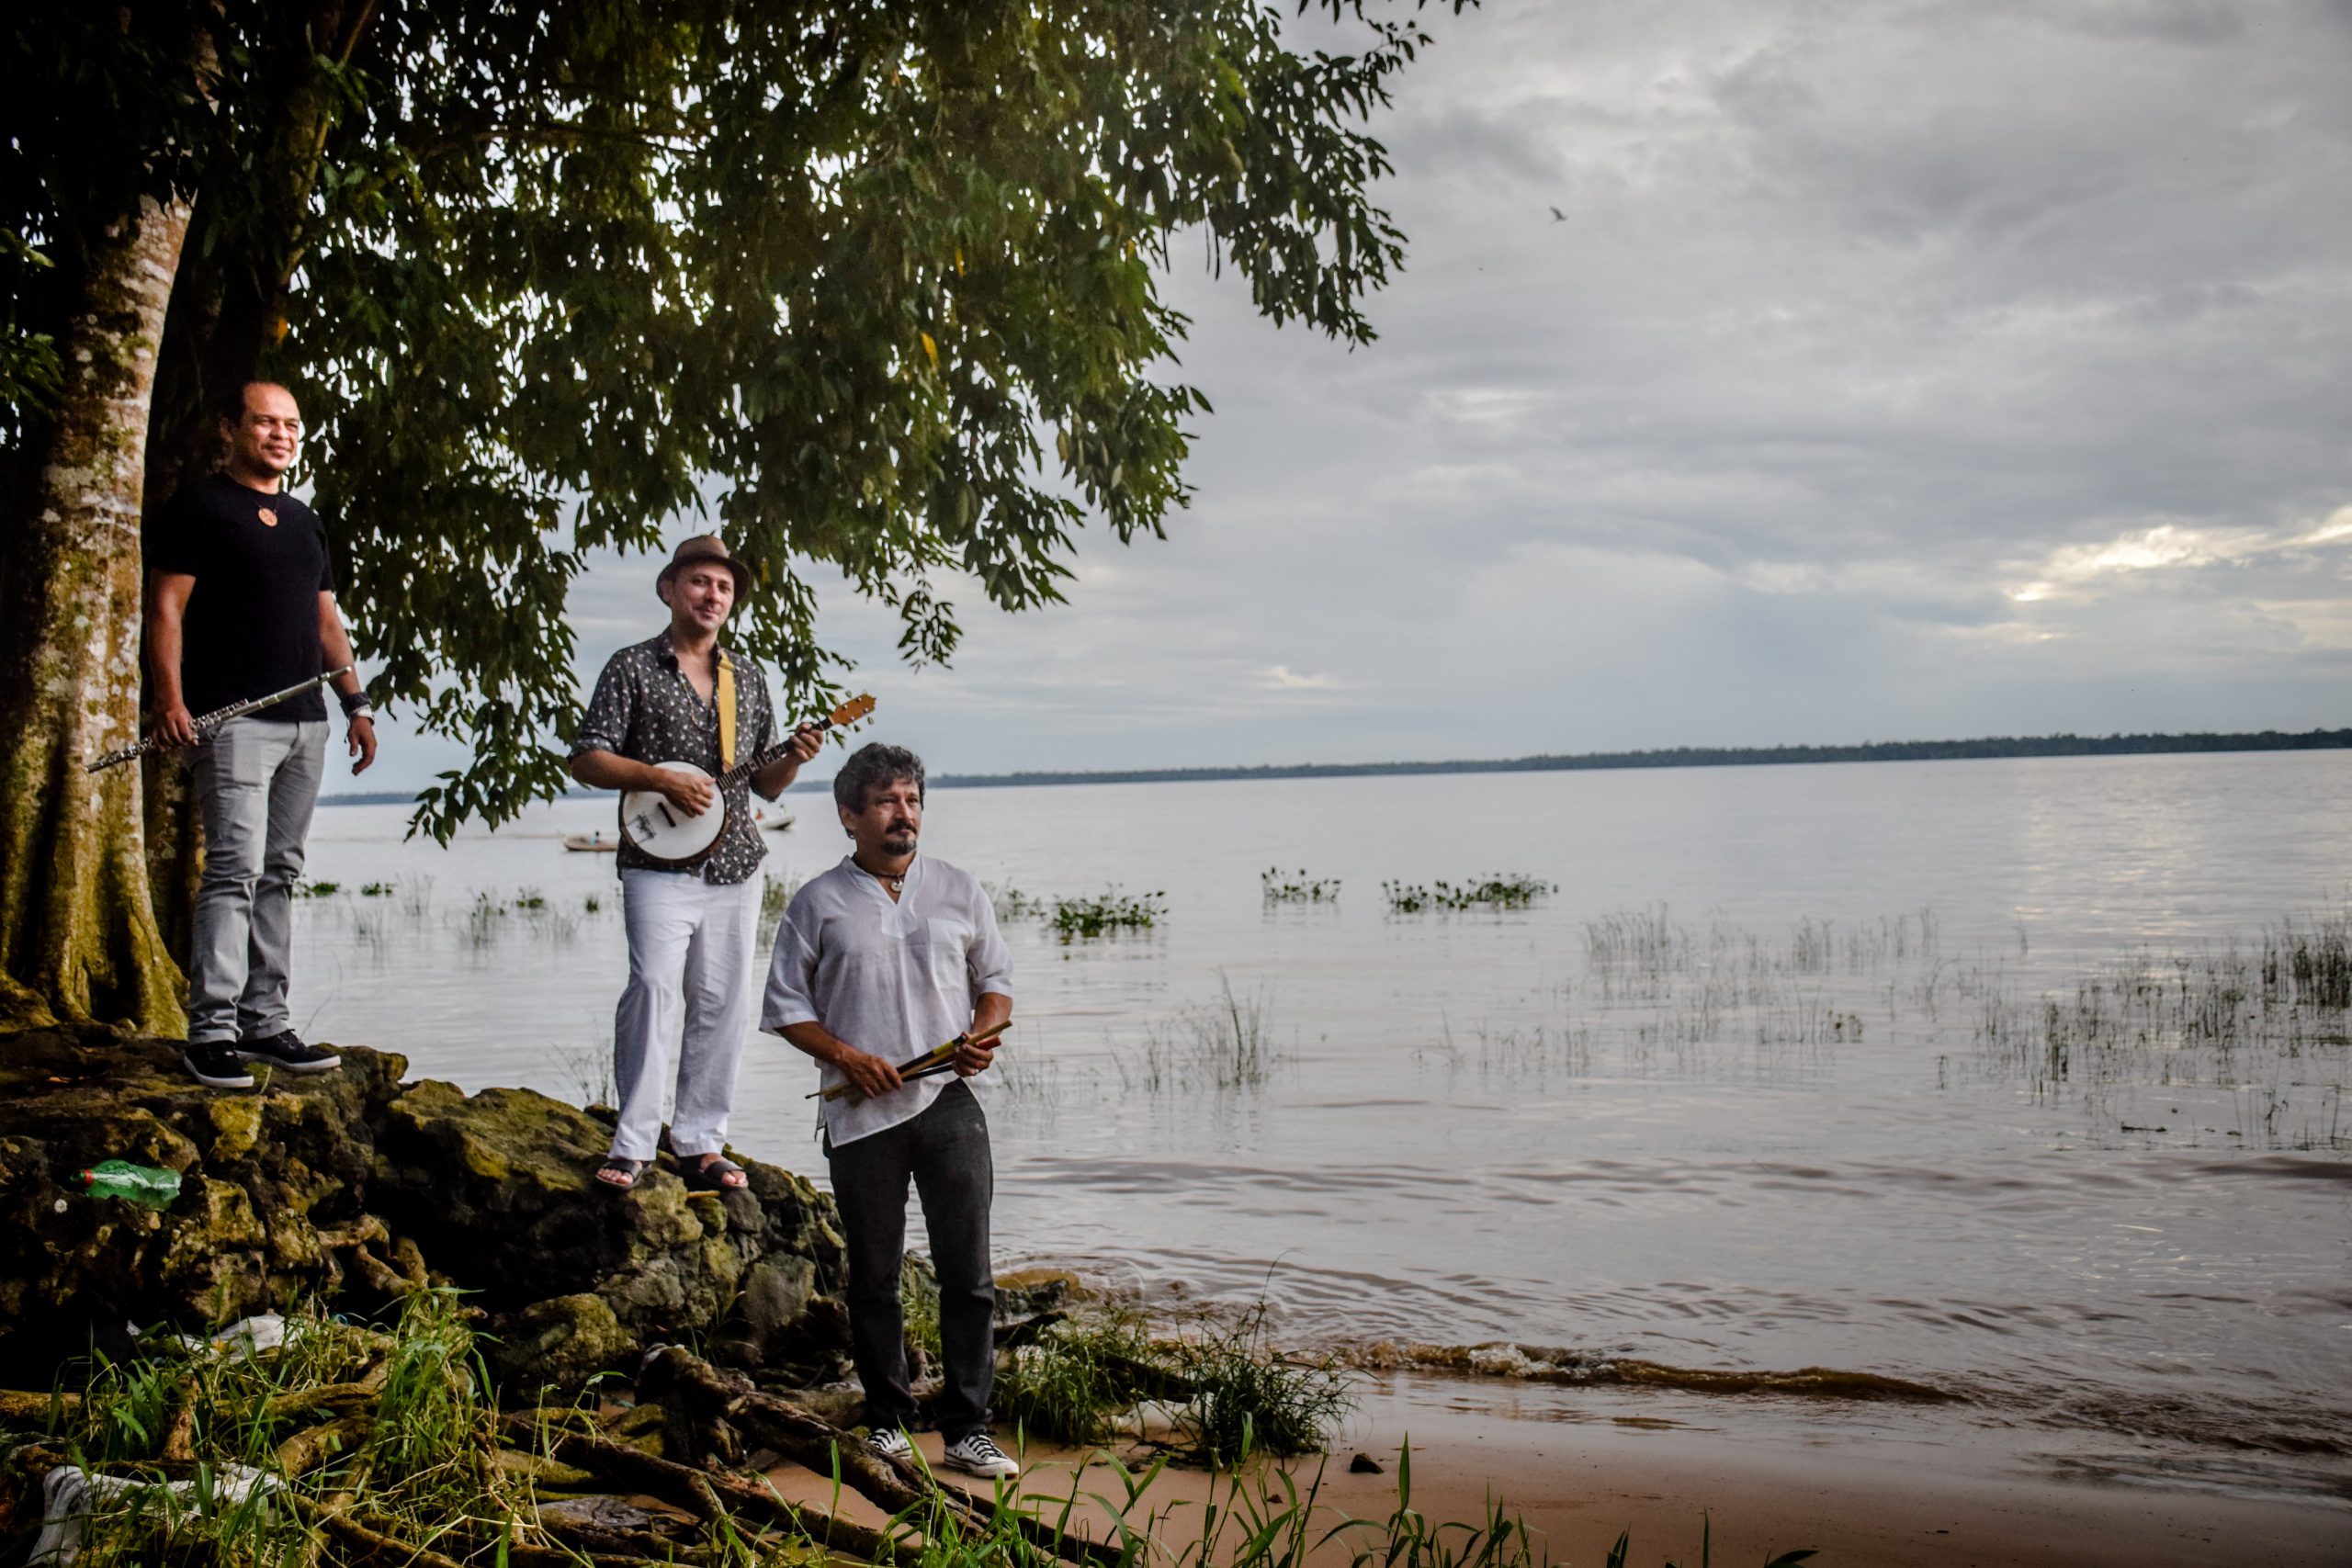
(1866,320)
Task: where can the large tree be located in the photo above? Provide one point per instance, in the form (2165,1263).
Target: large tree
(874,281)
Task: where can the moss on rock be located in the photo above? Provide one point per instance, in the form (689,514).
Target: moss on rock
(347,1188)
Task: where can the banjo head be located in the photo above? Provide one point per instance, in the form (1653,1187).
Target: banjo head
(666,833)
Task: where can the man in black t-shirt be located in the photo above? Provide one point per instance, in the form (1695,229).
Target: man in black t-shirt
(241,603)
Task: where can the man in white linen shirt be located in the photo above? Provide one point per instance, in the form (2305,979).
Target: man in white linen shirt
(878,961)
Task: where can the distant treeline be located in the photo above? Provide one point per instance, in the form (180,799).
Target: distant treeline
(1672,757)
(1707,757)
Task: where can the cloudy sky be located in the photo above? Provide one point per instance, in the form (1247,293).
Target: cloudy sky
(1898,370)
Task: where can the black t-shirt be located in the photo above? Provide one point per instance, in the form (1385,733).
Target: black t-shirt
(251,628)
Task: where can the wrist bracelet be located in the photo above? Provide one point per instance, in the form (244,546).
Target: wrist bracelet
(354,703)
(360,710)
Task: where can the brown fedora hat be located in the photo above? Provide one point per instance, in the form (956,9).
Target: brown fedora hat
(702,548)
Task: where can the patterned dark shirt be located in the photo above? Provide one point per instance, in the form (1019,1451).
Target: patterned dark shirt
(646,709)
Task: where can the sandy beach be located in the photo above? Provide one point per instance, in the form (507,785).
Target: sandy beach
(1893,1489)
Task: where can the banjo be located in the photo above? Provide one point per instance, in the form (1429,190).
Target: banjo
(663,832)
(207,723)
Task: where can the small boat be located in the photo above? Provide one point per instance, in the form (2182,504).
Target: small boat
(595,843)
(780,823)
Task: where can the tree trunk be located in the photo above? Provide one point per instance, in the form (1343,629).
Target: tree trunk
(78,938)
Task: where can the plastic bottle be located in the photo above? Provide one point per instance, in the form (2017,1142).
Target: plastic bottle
(138,1184)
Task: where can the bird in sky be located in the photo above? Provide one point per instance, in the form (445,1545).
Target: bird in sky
(1558,216)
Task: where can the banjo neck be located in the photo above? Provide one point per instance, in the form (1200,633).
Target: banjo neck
(848,713)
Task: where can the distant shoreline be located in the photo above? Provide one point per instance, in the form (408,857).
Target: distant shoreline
(1582,762)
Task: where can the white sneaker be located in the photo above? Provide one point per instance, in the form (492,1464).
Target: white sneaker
(890,1444)
(978,1454)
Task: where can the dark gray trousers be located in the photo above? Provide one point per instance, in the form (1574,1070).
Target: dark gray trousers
(946,1151)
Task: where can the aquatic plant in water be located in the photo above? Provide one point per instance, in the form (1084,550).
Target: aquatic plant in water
(1113,912)
(2246,1041)
(1011,903)
(1514,892)
(1298,888)
(1221,1045)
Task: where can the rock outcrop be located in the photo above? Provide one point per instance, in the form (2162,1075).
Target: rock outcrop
(350,1187)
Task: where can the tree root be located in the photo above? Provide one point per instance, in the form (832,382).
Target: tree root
(362,1391)
(364,1543)
(313,1446)
(711,1396)
(542,1470)
(621,1545)
(22,1405)
(710,1495)
(179,1432)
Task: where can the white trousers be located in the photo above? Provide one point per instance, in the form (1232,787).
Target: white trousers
(689,950)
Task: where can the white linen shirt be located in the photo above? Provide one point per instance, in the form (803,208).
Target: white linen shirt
(892,978)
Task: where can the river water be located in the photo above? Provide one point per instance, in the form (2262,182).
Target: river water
(1960,1074)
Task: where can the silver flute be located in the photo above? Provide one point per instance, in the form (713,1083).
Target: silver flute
(218,716)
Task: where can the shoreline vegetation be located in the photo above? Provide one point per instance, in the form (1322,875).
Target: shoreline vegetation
(308,1440)
(1983,748)
(454,1350)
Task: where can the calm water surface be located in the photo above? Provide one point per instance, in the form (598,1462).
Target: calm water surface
(1746,1092)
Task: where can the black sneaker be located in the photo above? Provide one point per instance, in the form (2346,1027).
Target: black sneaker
(286,1053)
(216,1065)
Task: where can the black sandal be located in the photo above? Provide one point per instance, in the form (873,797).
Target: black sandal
(710,1175)
(627,1170)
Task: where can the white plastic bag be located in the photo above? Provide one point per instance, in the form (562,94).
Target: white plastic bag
(71,1494)
(247,1337)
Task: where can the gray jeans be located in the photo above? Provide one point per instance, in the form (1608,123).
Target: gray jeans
(946,1151)
(256,782)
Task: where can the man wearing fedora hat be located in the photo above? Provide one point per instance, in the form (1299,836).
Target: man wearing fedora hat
(691,927)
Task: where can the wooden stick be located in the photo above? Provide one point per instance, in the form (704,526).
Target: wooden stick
(922,1065)
(931,1072)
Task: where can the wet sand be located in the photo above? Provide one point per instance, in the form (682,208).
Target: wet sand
(1863,1485)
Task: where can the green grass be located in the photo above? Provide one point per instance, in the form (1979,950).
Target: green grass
(483,920)
(919,1300)
(375,890)
(491,914)
(775,894)
(1229,1393)
(185,1413)
(1247,1396)
(1222,1045)
(1071,1382)
(587,1072)
(316,889)
(421,1469)
(1259,1518)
